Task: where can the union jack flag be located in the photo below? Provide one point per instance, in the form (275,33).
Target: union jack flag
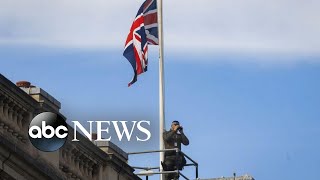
(144,31)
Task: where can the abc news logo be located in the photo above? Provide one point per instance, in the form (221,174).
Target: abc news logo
(48,131)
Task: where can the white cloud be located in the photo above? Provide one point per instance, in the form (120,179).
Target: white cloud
(71,23)
(252,26)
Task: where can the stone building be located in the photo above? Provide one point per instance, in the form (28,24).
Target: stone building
(82,160)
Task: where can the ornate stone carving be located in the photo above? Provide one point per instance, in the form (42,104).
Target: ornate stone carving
(13,117)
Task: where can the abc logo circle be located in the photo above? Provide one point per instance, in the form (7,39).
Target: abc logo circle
(48,131)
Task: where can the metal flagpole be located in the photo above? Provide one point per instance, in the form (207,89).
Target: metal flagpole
(161,85)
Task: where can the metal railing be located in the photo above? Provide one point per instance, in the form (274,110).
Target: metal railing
(177,171)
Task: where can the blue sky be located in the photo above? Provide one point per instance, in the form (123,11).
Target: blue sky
(243,79)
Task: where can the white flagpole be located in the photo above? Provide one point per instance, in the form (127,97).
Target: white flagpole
(161,85)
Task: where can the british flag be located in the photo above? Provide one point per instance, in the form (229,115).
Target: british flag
(144,31)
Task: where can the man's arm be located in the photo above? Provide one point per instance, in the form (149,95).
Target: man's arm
(168,135)
(185,140)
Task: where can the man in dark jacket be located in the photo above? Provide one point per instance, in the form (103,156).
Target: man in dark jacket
(173,139)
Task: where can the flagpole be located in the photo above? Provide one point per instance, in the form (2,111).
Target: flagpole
(161,85)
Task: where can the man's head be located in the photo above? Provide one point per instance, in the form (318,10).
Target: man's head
(174,124)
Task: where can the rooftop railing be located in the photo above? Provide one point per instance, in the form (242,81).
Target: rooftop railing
(148,170)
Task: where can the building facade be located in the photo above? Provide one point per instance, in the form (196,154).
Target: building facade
(82,160)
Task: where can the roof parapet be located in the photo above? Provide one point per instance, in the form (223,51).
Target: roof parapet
(39,95)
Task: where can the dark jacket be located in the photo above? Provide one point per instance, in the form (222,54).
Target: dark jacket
(174,140)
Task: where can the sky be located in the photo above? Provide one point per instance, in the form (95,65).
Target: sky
(242,76)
